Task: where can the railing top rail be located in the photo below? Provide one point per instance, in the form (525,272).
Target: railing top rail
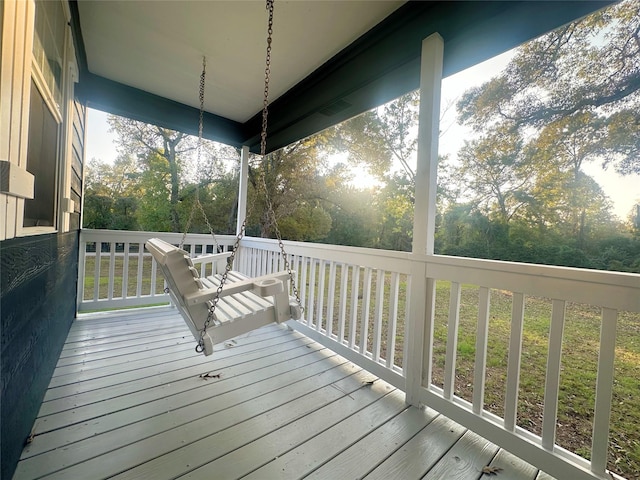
(552,271)
(91,235)
(616,290)
(383,259)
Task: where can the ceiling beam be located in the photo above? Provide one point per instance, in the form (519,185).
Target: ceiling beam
(119,99)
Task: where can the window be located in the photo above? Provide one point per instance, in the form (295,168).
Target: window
(49,94)
(41,162)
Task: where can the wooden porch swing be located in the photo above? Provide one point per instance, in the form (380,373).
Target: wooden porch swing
(227,303)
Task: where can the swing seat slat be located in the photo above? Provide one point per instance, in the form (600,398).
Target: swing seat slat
(244,304)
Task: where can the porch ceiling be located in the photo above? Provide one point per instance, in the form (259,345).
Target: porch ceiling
(331,59)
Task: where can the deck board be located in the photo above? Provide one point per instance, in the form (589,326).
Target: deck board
(128,400)
(418,455)
(365,454)
(465,460)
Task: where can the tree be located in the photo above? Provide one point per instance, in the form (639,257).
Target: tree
(376,139)
(355,217)
(141,139)
(383,142)
(111,195)
(396,203)
(288,191)
(167,165)
(565,99)
(582,79)
(497,173)
(154,177)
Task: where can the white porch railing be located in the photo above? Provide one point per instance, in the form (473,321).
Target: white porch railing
(115,270)
(377,308)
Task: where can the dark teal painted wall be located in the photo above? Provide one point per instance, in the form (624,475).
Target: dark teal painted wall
(38,278)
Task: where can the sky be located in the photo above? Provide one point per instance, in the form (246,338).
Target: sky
(624,192)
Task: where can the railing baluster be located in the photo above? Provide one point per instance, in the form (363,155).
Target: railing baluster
(320,307)
(264,261)
(268,259)
(452,341)
(140,266)
(312,292)
(353,321)
(552,384)
(295,265)
(302,287)
(430,289)
(112,269)
(377,314)
(96,271)
(604,390)
(248,254)
(392,323)
(253,262)
(82,265)
(366,306)
(125,270)
(203,265)
(255,267)
(154,274)
(482,335)
(344,281)
(513,366)
(331,297)
(240,261)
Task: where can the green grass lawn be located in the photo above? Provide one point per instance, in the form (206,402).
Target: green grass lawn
(579,359)
(132,270)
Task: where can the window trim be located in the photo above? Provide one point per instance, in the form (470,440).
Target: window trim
(63,115)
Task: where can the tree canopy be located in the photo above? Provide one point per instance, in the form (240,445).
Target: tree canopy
(576,89)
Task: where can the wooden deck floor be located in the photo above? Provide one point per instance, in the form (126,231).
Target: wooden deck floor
(131,399)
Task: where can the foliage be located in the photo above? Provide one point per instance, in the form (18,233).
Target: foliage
(288,190)
(565,99)
(153,183)
(380,137)
(576,89)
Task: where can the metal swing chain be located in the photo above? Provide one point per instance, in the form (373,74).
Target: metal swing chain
(263,150)
(287,265)
(263,147)
(197,204)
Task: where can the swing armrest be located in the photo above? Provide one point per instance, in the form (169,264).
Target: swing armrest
(211,257)
(264,286)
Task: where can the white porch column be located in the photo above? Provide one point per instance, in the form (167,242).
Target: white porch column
(424,220)
(422,290)
(243,187)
